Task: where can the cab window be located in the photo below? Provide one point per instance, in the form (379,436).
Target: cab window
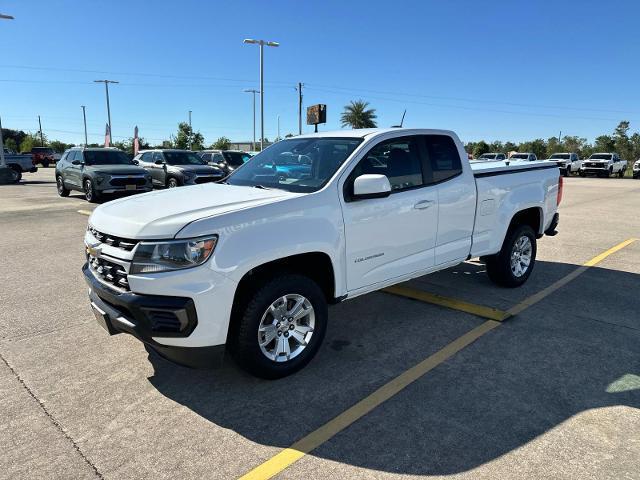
(442,157)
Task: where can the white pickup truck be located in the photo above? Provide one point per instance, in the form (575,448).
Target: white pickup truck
(567,162)
(253,262)
(603,165)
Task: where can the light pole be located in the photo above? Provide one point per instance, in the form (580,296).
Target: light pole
(106,87)
(2,162)
(253,94)
(278,127)
(190,133)
(84,117)
(262,43)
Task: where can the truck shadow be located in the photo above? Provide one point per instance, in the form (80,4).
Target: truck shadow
(576,350)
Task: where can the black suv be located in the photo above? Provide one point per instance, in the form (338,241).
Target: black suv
(172,168)
(98,171)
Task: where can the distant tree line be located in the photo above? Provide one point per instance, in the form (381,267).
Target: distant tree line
(620,141)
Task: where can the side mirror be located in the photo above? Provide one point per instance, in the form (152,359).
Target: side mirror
(159,162)
(77,162)
(135,162)
(371,186)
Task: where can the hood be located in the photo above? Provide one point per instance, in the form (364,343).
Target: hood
(199,169)
(162,214)
(117,169)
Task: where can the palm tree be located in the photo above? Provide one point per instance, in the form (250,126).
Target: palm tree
(356,115)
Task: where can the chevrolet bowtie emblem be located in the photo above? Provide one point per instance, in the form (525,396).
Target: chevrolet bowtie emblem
(93,251)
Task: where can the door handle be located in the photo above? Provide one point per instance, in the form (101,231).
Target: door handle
(421,205)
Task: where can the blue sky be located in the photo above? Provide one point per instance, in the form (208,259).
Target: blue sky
(499,70)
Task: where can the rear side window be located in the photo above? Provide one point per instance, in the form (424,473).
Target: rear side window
(206,157)
(442,157)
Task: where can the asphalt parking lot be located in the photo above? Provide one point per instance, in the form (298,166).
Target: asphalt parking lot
(552,392)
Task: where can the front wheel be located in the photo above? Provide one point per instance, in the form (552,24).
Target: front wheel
(89,192)
(17,174)
(172,182)
(512,266)
(621,173)
(582,174)
(281,327)
(567,172)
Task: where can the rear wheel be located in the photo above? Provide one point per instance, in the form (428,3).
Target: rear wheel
(512,266)
(621,173)
(17,173)
(567,171)
(172,182)
(45,163)
(62,190)
(89,192)
(281,327)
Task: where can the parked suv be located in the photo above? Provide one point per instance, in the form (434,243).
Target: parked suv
(604,165)
(567,162)
(527,157)
(227,160)
(492,157)
(98,171)
(43,155)
(172,168)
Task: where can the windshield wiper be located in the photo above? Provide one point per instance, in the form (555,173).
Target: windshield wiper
(261,187)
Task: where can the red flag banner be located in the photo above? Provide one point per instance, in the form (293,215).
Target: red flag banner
(107,137)
(136,142)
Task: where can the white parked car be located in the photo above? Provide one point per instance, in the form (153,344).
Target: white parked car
(636,169)
(526,157)
(603,165)
(490,157)
(567,162)
(250,264)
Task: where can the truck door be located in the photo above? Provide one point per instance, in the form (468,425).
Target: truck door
(392,236)
(456,199)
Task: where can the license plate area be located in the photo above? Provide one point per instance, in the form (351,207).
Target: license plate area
(102,318)
(129,187)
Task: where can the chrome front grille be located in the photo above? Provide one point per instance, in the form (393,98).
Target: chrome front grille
(109,272)
(118,242)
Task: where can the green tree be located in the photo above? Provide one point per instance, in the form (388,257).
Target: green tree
(575,144)
(356,115)
(11,144)
(604,143)
(621,140)
(59,146)
(553,146)
(634,140)
(186,138)
(480,148)
(222,143)
(537,146)
(31,140)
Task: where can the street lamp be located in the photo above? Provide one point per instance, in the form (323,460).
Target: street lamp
(106,86)
(190,133)
(84,117)
(262,43)
(253,92)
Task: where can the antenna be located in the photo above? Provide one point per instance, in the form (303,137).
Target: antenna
(401,121)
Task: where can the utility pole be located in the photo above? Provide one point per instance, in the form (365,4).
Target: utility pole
(253,94)
(84,117)
(40,125)
(560,137)
(2,162)
(262,43)
(279,128)
(300,85)
(190,133)
(106,87)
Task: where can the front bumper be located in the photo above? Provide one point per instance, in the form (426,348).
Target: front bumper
(149,318)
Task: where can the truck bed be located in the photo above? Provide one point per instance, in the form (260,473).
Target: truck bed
(503,167)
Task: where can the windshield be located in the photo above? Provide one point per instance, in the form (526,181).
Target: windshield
(235,159)
(520,156)
(296,165)
(105,157)
(562,156)
(601,156)
(182,158)
(488,156)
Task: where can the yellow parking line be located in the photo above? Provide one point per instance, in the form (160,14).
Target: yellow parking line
(85,212)
(453,303)
(535,298)
(299,449)
(316,438)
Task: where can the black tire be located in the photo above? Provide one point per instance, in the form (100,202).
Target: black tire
(243,342)
(582,174)
(172,182)
(89,191)
(62,190)
(621,173)
(17,173)
(45,163)
(499,265)
(567,171)
(610,172)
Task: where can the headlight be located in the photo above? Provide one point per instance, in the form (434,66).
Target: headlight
(100,178)
(154,257)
